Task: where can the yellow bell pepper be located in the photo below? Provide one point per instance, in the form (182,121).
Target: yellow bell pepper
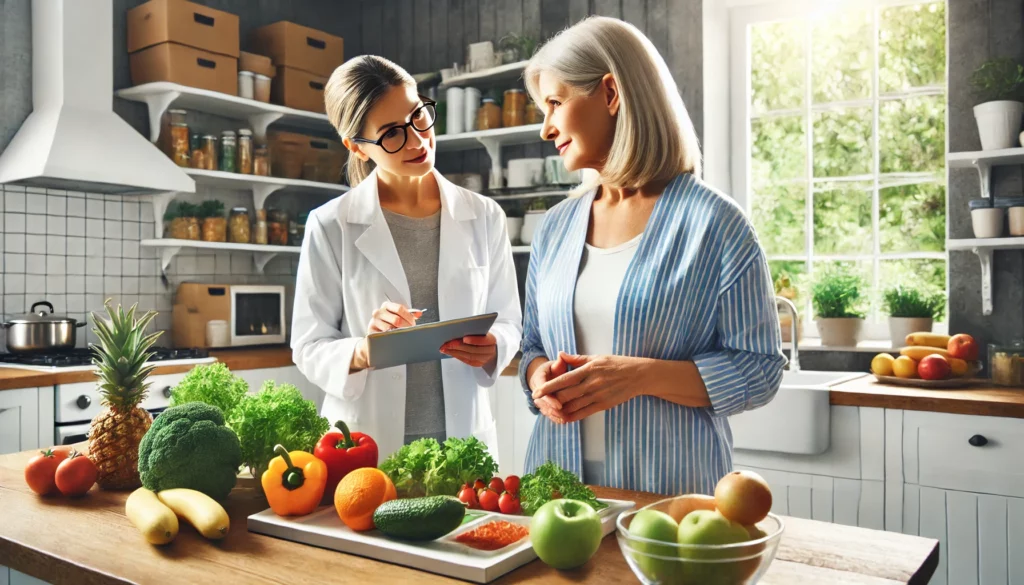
(294,482)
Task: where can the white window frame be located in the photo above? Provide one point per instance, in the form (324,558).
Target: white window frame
(742,14)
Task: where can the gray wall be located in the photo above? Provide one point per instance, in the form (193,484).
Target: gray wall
(981,30)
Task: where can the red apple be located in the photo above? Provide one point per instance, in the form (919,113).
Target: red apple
(962,346)
(933,367)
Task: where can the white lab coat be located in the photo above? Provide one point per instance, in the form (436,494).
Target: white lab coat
(349,266)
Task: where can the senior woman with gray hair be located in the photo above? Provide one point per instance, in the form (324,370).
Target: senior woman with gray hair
(650,314)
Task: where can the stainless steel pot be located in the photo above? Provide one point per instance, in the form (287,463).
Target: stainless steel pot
(41,331)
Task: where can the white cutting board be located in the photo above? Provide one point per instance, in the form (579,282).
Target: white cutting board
(444,556)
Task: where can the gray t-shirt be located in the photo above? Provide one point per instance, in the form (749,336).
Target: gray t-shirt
(418,241)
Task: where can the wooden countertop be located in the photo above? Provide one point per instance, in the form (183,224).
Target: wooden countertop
(236,359)
(983,399)
(89,541)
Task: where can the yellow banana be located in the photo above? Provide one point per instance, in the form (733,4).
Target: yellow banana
(928,339)
(919,351)
(156,521)
(201,511)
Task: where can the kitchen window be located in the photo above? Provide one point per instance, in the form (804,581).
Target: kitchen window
(838,141)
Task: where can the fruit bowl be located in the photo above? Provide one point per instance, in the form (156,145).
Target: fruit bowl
(657,562)
(967,379)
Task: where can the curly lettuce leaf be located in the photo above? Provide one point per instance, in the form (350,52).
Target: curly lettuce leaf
(549,482)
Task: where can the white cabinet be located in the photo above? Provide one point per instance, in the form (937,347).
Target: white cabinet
(26,419)
(514,424)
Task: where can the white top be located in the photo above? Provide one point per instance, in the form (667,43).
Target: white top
(602,271)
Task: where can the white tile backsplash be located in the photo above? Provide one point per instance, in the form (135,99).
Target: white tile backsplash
(94,207)
(56,225)
(14,284)
(56,284)
(35,284)
(57,205)
(14,223)
(112,209)
(76,207)
(111,266)
(76,226)
(14,243)
(112,229)
(56,245)
(36,204)
(35,263)
(94,284)
(130,210)
(14,201)
(56,265)
(14,263)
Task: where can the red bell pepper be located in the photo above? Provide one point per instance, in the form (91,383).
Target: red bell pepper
(343,451)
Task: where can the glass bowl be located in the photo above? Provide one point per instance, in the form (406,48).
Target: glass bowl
(656,562)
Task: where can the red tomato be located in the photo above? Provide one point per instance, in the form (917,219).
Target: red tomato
(41,469)
(75,475)
(497,485)
(468,496)
(509,504)
(479,485)
(489,500)
(512,485)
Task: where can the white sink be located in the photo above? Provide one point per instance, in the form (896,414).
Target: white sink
(796,421)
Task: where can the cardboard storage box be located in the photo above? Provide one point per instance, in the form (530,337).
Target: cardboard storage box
(195,304)
(299,47)
(187,66)
(300,156)
(185,23)
(298,89)
(256,63)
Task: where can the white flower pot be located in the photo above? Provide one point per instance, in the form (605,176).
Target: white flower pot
(901,327)
(998,123)
(839,331)
(531,222)
(515,227)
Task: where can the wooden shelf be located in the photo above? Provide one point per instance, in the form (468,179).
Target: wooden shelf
(261,254)
(984,160)
(490,76)
(982,248)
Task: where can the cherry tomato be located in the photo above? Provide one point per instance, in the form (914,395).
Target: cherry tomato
(75,475)
(509,504)
(489,500)
(479,485)
(512,485)
(41,470)
(497,485)
(468,496)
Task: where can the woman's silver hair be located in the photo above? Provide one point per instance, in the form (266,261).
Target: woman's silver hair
(654,136)
(350,94)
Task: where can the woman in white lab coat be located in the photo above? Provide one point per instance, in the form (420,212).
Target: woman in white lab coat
(403,237)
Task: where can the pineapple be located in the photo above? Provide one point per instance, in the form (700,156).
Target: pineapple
(115,433)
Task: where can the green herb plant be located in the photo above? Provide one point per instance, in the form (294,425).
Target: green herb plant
(211,208)
(213,384)
(550,482)
(837,294)
(997,80)
(181,209)
(427,468)
(910,302)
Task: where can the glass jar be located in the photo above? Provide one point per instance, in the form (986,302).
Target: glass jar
(238,225)
(261,161)
(514,109)
(245,151)
(489,115)
(228,152)
(1006,363)
(300,229)
(533,114)
(259,232)
(180,148)
(209,147)
(277,227)
(195,145)
(184,228)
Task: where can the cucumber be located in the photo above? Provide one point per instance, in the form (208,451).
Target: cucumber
(419,518)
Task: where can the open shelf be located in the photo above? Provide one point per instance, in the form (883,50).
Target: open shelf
(497,137)
(982,248)
(520,249)
(261,254)
(984,160)
(531,195)
(490,76)
(161,95)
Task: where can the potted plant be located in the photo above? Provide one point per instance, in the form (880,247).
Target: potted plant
(182,221)
(515,47)
(514,222)
(836,297)
(911,311)
(999,87)
(214,224)
(534,214)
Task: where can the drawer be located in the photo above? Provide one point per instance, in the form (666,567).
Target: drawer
(80,402)
(980,454)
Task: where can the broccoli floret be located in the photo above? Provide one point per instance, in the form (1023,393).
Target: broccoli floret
(188,446)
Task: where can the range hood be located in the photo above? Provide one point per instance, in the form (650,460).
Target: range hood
(73,139)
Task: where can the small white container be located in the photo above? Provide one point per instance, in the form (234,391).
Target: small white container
(456,97)
(515,227)
(472,97)
(998,123)
(987,222)
(262,88)
(217,333)
(1016,215)
(246,83)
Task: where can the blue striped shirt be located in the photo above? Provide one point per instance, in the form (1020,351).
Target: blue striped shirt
(698,289)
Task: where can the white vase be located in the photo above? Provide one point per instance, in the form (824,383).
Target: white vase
(998,123)
(531,222)
(839,331)
(515,228)
(901,327)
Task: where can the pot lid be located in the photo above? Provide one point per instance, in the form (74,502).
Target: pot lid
(39,314)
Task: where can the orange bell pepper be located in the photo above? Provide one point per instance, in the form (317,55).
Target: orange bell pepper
(294,482)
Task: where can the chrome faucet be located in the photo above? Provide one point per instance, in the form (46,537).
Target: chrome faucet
(794,359)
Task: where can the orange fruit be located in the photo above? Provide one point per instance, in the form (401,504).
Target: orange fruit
(359,494)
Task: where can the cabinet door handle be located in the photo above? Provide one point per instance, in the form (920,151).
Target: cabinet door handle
(978,441)
(167,392)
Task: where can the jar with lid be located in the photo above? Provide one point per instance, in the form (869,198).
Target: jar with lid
(169,119)
(246,82)
(259,232)
(238,225)
(245,151)
(195,145)
(261,161)
(300,229)
(228,151)
(489,115)
(1006,363)
(209,147)
(533,114)
(180,149)
(277,227)
(514,109)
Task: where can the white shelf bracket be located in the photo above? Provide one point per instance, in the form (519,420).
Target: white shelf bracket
(985,175)
(160,203)
(985,256)
(158,104)
(493,148)
(259,123)
(260,194)
(261,259)
(166,255)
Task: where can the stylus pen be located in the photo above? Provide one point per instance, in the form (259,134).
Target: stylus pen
(420,311)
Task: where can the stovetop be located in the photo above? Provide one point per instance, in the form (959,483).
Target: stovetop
(79,358)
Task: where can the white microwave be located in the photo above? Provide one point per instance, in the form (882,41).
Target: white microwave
(257,314)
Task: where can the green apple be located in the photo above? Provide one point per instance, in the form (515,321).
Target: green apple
(705,527)
(655,525)
(565,533)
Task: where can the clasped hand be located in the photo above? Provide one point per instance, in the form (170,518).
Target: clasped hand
(595,384)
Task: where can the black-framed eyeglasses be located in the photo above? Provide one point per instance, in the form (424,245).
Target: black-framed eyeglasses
(395,137)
